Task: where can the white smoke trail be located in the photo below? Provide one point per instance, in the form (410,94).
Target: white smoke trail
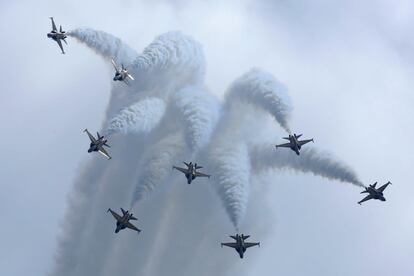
(140,117)
(200,112)
(105,44)
(157,164)
(231,166)
(261,89)
(309,161)
(174,52)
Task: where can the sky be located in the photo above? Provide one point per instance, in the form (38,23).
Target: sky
(348,68)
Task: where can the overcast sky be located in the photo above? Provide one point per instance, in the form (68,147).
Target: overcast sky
(348,66)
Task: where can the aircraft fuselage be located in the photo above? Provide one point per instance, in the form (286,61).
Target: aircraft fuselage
(120,75)
(191,175)
(55,36)
(376,194)
(122,223)
(240,247)
(95,146)
(294,144)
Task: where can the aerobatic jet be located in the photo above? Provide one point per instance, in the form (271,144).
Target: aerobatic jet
(240,245)
(57,36)
(122,222)
(294,143)
(374,193)
(121,73)
(191,171)
(97,144)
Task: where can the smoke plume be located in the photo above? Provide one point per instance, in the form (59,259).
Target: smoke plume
(199,112)
(140,117)
(157,164)
(105,45)
(310,161)
(231,178)
(261,89)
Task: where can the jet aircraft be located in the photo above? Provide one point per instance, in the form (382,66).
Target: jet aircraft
(98,144)
(122,222)
(240,245)
(374,193)
(121,73)
(294,143)
(57,36)
(191,171)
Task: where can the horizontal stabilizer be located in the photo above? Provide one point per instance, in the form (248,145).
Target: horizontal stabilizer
(123,211)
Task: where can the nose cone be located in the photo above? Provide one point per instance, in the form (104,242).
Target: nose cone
(89,150)
(383,199)
(49,35)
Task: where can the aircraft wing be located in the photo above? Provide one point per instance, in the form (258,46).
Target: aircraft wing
(305,142)
(185,171)
(53,24)
(382,188)
(250,244)
(368,197)
(115,215)
(114,64)
(90,136)
(131,226)
(104,152)
(199,174)
(130,77)
(59,42)
(287,145)
(229,244)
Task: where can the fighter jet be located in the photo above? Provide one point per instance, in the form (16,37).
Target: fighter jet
(240,246)
(374,193)
(191,171)
(122,222)
(98,144)
(121,73)
(294,143)
(57,36)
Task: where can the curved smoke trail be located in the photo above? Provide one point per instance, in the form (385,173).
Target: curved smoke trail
(200,112)
(172,51)
(231,166)
(104,44)
(263,90)
(310,160)
(157,164)
(140,117)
